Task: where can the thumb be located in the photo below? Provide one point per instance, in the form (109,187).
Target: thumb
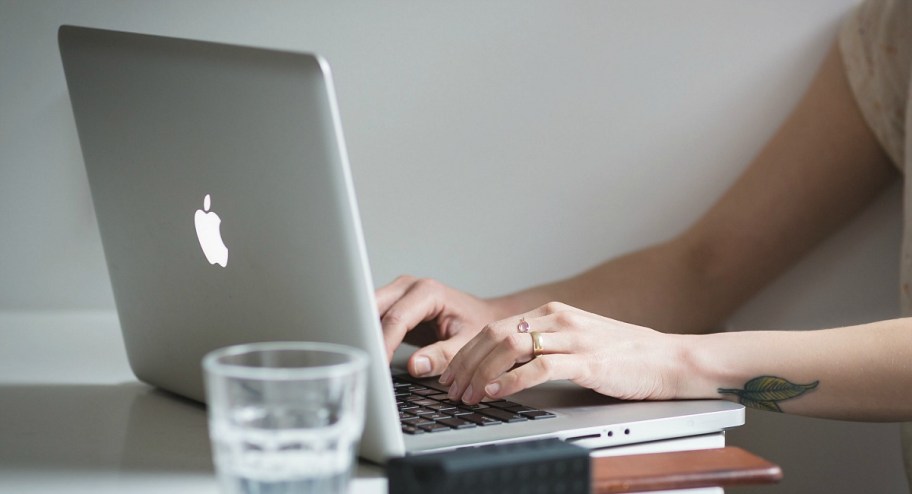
(433,359)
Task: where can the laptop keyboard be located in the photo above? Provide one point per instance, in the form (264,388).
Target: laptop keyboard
(425,408)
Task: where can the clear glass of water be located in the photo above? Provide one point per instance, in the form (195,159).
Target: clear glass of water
(285,417)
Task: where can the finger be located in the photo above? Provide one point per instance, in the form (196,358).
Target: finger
(516,348)
(390,293)
(500,344)
(558,333)
(493,351)
(463,371)
(460,370)
(433,359)
(540,370)
(421,302)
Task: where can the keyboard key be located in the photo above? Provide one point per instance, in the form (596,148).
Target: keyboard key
(538,414)
(480,419)
(441,407)
(433,384)
(502,415)
(435,427)
(424,407)
(457,423)
(422,401)
(502,404)
(411,429)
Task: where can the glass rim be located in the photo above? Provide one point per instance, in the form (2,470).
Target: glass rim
(356,361)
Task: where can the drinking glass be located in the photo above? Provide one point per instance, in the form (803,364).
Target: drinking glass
(285,417)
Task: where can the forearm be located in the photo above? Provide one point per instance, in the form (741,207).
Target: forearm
(855,373)
(662,287)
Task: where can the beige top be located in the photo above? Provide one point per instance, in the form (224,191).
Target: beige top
(876,44)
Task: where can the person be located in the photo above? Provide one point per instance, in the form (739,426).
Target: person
(639,326)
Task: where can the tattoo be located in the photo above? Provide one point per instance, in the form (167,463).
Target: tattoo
(765,392)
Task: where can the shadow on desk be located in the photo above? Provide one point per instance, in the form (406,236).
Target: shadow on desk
(128,427)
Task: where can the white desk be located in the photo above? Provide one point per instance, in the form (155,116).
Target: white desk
(74,419)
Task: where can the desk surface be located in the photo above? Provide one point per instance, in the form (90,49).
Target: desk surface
(73,418)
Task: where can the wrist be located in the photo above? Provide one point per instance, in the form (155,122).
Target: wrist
(698,369)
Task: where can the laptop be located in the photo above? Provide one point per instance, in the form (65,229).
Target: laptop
(225,204)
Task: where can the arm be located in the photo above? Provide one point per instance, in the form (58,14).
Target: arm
(822,167)
(856,373)
(862,372)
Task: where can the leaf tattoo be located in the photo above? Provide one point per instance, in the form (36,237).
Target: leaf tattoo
(765,392)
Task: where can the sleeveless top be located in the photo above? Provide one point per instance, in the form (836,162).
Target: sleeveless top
(876,45)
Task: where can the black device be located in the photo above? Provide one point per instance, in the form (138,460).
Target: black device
(545,466)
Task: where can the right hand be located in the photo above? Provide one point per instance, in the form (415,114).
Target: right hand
(411,307)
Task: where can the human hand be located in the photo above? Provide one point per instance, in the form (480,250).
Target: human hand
(413,307)
(611,357)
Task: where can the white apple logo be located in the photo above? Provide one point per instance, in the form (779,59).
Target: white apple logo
(209,234)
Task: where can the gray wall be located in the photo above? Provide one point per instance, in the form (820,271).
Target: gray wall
(495,145)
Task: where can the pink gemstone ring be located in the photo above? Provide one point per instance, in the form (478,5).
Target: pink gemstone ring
(523,326)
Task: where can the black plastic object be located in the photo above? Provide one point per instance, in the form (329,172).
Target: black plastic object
(546,466)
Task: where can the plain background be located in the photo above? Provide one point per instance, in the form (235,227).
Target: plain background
(495,145)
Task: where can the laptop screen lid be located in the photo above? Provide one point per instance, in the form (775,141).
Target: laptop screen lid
(185,140)
(227,214)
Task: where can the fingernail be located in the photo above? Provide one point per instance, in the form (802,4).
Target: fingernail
(468,394)
(422,366)
(446,377)
(492,389)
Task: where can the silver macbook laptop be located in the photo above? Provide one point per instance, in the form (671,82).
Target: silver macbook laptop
(225,204)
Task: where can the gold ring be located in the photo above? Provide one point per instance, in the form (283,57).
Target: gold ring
(536,344)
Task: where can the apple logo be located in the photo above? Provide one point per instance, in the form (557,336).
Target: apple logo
(209,234)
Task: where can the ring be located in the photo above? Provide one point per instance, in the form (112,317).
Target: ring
(536,344)
(523,326)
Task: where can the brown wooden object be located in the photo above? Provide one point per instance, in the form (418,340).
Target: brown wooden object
(681,470)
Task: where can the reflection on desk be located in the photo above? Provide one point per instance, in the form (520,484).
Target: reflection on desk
(73,419)
(126,437)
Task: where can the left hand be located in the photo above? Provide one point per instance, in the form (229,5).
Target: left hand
(611,357)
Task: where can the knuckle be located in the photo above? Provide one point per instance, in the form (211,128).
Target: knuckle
(545,365)
(393,317)
(553,307)
(405,279)
(489,332)
(513,342)
(429,284)
(448,353)
(565,319)
(509,379)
